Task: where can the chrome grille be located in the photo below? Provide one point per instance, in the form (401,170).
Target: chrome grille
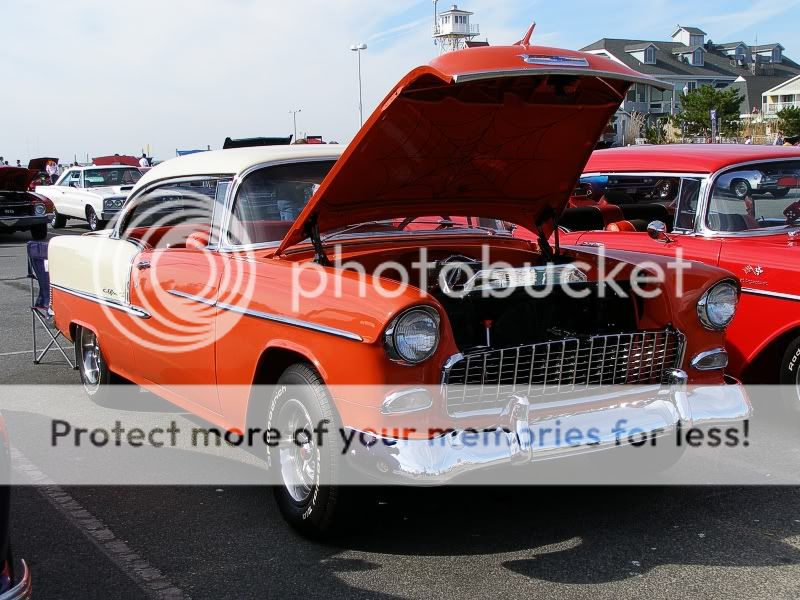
(487,380)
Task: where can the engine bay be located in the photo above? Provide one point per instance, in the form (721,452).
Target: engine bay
(514,317)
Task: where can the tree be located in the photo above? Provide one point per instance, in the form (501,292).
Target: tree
(696,106)
(789,121)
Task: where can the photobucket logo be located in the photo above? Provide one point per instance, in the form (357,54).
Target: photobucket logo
(164,286)
(459,276)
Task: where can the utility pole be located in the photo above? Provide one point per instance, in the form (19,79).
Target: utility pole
(294,121)
(357,48)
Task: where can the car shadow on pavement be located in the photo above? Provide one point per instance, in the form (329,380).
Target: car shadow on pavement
(586,535)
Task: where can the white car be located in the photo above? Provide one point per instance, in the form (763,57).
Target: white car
(93,194)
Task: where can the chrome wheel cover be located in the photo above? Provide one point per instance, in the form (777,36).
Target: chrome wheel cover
(90,360)
(298,454)
(92,220)
(741,189)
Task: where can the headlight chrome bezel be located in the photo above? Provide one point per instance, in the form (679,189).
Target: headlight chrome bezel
(390,335)
(39,209)
(702,305)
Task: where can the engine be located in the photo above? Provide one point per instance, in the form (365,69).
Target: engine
(511,316)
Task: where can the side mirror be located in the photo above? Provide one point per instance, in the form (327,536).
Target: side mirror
(657,230)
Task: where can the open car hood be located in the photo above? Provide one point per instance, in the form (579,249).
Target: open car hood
(40,163)
(16,179)
(498,132)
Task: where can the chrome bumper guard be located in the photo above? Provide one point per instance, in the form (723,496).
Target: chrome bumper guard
(656,410)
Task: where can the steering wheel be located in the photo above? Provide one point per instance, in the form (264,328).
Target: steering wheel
(443,224)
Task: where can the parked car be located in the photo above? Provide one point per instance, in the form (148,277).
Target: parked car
(93,194)
(714,214)
(21,210)
(15,578)
(457,152)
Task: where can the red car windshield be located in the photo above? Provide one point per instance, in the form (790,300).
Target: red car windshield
(755,197)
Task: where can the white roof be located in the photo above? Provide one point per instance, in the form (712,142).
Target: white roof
(789,84)
(236,160)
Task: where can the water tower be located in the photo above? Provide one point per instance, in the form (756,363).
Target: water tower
(452,29)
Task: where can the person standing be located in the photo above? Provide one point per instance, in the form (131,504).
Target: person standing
(144,161)
(19,164)
(748,140)
(52,171)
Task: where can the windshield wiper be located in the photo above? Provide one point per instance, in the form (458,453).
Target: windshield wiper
(350,228)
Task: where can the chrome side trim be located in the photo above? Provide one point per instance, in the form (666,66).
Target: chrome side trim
(293,322)
(199,299)
(126,308)
(780,295)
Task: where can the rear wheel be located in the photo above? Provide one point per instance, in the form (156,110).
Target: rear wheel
(57,221)
(94,371)
(39,232)
(790,375)
(299,405)
(95,223)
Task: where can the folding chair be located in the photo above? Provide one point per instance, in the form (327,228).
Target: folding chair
(40,302)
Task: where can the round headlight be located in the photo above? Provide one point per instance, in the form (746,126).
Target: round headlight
(108,203)
(413,336)
(118,203)
(718,305)
(39,209)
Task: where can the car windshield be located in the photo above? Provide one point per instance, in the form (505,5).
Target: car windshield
(755,197)
(106,177)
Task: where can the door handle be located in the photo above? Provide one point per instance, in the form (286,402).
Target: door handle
(144,264)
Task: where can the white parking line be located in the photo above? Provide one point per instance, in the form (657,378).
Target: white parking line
(13,353)
(146,577)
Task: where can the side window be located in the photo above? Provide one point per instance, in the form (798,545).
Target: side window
(269,200)
(176,215)
(74,179)
(687,204)
(64,178)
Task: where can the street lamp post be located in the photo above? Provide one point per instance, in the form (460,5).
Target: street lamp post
(294,121)
(357,48)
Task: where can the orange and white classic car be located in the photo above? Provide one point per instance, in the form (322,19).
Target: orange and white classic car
(250,267)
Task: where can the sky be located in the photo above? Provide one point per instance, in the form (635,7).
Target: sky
(92,77)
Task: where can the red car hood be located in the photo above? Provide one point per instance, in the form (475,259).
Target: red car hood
(499,132)
(16,179)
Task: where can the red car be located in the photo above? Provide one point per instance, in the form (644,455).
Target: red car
(733,206)
(20,209)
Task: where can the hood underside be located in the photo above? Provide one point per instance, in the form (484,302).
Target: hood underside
(16,179)
(496,132)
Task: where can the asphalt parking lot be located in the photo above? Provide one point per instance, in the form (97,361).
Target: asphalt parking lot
(211,542)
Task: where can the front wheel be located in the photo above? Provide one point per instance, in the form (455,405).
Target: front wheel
(39,232)
(790,375)
(57,220)
(305,467)
(95,223)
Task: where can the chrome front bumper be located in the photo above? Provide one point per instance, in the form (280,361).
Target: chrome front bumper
(656,412)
